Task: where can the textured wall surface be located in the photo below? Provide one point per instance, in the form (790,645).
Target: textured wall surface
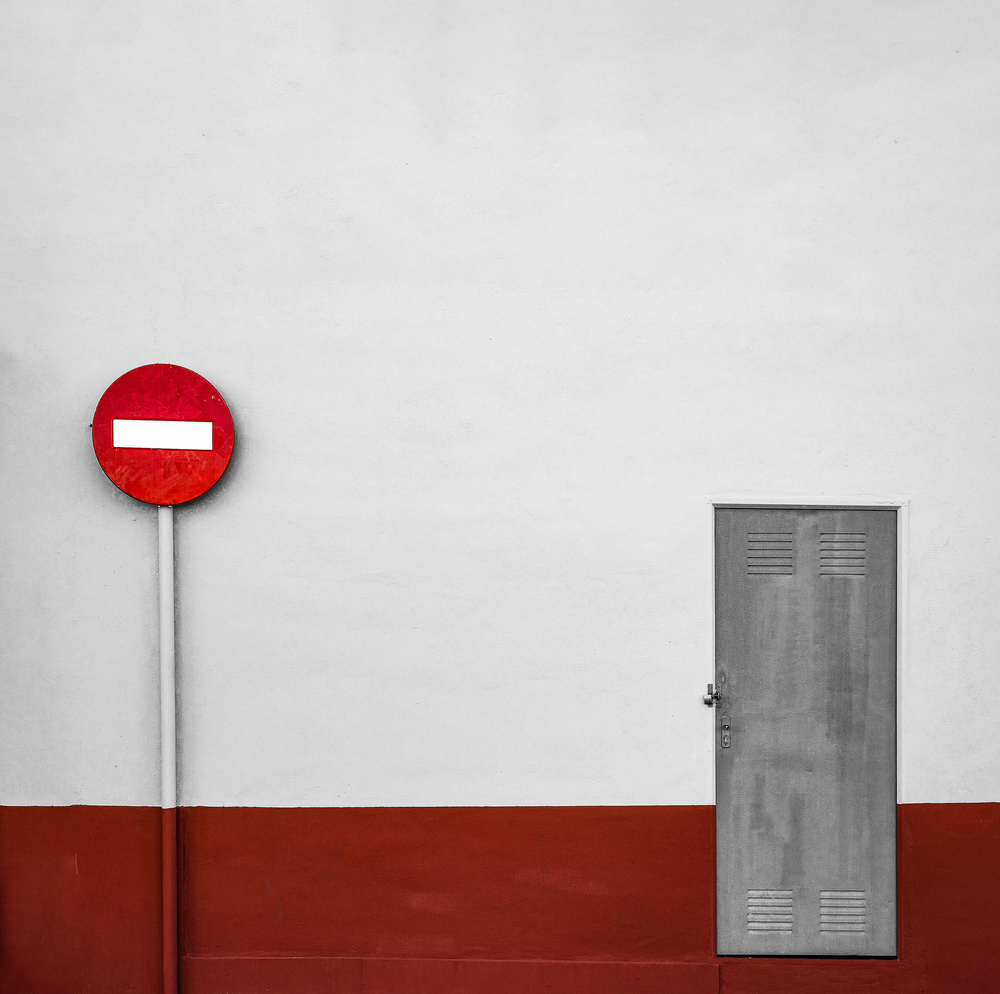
(499,296)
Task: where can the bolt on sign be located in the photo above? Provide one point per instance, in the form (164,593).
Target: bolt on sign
(163,434)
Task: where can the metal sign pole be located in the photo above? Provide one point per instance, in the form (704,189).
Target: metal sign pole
(168,748)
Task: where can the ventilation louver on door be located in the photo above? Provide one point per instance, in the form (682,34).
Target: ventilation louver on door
(770,911)
(842,554)
(770,552)
(841,910)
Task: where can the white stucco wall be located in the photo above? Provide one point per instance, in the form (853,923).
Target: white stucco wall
(499,295)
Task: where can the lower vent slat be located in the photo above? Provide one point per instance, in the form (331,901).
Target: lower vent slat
(842,911)
(770,911)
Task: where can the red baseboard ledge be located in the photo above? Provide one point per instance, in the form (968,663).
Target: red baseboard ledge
(322,975)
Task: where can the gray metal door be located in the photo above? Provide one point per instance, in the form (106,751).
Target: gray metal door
(805,732)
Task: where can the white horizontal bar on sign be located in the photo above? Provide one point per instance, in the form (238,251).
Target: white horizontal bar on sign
(150,434)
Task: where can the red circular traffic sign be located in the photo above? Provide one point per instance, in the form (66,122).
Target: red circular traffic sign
(163,434)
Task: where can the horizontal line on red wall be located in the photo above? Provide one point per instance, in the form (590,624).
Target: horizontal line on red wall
(430,959)
(440,976)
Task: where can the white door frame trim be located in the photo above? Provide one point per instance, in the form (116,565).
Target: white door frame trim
(901,505)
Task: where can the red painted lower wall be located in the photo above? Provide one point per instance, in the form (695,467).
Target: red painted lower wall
(80,900)
(472,900)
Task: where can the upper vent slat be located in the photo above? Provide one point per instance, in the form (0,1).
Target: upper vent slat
(770,553)
(843,554)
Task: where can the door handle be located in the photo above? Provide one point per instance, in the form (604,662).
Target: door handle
(713,697)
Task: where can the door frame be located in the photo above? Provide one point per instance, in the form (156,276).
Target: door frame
(901,505)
